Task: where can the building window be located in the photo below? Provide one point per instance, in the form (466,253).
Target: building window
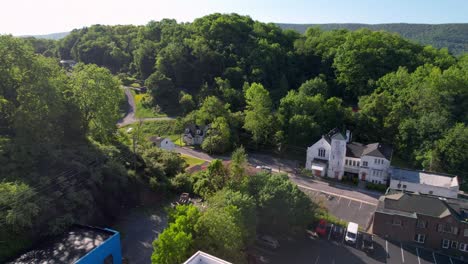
(399,185)
(454,244)
(465,232)
(321,152)
(375,161)
(445,243)
(404,186)
(420,238)
(431,192)
(396,222)
(421,224)
(445,228)
(358,163)
(463,247)
(364,163)
(346,162)
(354,163)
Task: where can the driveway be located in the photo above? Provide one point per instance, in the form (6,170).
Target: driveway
(138,231)
(130,117)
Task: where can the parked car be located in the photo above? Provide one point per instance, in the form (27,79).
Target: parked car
(367,243)
(337,232)
(264,168)
(321,228)
(268,241)
(351,233)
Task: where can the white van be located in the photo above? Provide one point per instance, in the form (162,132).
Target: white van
(351,232)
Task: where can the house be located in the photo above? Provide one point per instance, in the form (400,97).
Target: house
(163,143)
(80,244)
(431,221)
(194,134)
(424,182)
(204,258)
(335,156)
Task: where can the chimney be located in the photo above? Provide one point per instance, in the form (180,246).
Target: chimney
(348,136)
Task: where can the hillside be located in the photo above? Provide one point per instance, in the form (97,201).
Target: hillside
(452,36)
(58,35)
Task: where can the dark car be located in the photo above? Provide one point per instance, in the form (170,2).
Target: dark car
(337,232)
(368,243)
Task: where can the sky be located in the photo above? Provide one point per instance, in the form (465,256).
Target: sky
(33,17)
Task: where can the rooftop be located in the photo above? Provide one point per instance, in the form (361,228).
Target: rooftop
(412,204)
(66,248)
(424,177)
(379,150)
(203,258)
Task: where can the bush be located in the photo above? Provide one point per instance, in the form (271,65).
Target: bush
(182,183)
(376,187)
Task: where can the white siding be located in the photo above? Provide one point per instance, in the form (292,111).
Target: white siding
(337,159)
(313,152)
(451,192)
(167,144)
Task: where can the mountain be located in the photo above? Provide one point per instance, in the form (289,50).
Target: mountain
(49,36)
(451,36)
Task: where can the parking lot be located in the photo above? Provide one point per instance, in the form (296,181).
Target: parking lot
(348,209)
(332,249)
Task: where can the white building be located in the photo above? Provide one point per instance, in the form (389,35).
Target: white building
(334,156)
(203,258)
(424,182)
(194,135)
(164,143)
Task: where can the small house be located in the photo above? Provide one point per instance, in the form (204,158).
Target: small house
(163,143)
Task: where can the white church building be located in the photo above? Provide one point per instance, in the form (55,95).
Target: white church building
(335,156)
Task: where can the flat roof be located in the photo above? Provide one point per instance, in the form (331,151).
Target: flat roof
(66,248)
(204,258)
(424,177)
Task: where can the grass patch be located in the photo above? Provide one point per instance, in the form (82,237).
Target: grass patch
(192,161)
(142,111)
(162,128)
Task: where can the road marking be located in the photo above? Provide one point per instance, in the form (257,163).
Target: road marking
(451,262)
(417,252)
(316,261)
(386,248)
(402,255)
(339,195)
(360,206)
(349,203)
(433,255)
(329,234)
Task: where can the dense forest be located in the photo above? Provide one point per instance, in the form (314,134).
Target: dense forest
(451,36)
(254,83)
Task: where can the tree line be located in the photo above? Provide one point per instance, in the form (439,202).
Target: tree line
(271,88)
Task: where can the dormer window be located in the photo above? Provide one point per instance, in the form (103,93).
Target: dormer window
(198,131)
(321,152)
(187,130)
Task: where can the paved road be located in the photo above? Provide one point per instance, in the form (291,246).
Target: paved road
(139,229)
(130,117)
(284,165)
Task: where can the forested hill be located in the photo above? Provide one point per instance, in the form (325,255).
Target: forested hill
(451,36)
(55,36)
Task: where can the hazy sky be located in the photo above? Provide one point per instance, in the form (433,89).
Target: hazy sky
(20,17)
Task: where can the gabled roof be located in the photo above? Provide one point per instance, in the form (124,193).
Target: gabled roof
(424,177)
(156,140)
(379,150)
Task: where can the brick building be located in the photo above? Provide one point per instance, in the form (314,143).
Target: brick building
(434,222)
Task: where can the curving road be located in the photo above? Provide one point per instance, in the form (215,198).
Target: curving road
(130,117)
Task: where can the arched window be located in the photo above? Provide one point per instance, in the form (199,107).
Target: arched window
(321,152)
